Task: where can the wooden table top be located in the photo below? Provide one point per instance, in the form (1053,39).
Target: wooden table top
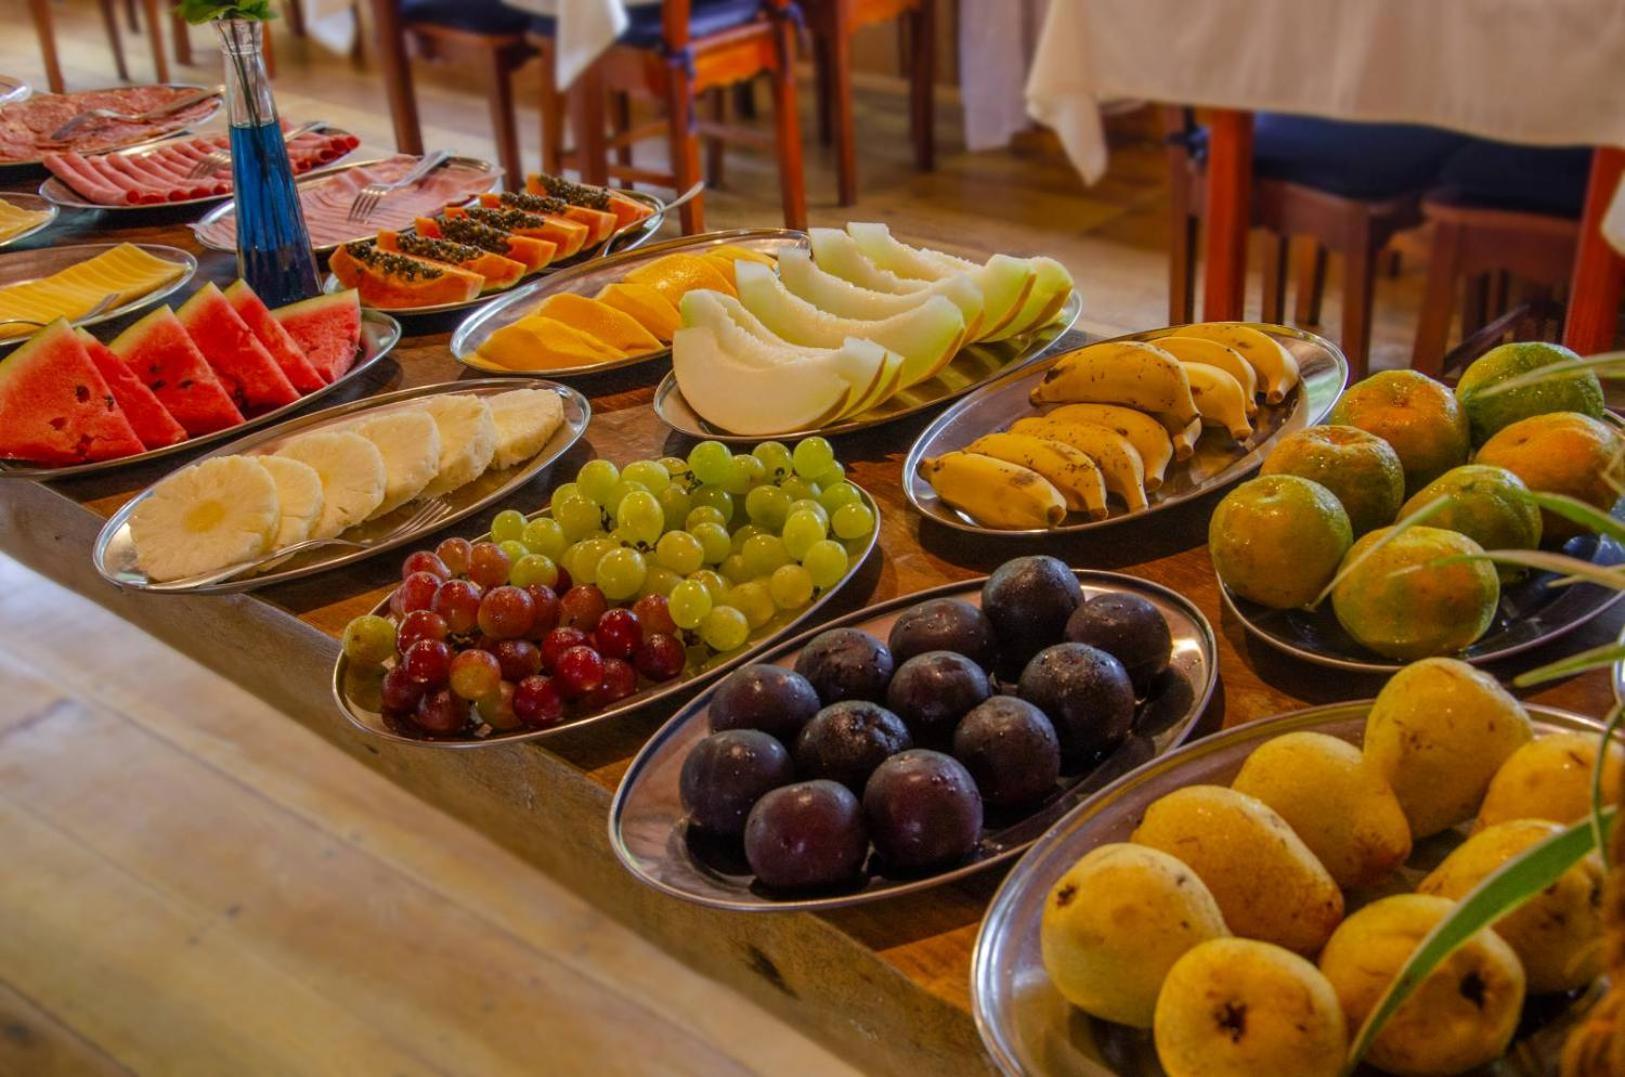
(926,938)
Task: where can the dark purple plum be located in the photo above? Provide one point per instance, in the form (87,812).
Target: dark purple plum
(923,810)
(1087,696)
(846,741)
(845,663)
(776,700)
(1028,601)
(727,773)
(1010,748)
(1130,629)
(944,624)
(932,691)
(806,835)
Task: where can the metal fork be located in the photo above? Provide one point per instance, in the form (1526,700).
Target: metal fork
(101,306)
(215,160)
(428,514)
(368,198)
(140,117)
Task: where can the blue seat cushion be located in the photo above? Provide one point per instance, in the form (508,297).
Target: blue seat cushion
(475,16)
(706,17)
(1530,179)
(1355,160)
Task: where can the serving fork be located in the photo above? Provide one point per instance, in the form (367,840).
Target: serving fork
(608,246)
(368,198)
(215,160)
(140,117)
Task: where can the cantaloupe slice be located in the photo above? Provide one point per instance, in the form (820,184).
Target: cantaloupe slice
(844,299)
(648,307)
(593,316)
(535,342)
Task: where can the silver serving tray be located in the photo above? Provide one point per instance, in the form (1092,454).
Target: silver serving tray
(57,192)
(22,266)
(587,279)
(35,204)
(379,334)
(316,175)
(1218,462)
(349,684)
(647,825)
(651,224)
(975,366)
(114,555)
(1027,1027)
(149,140)
(14,90)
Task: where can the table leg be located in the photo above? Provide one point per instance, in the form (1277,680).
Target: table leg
(155,36)
(403,103)
(586,103)
(41,11)
(1599,271)
(1229,214)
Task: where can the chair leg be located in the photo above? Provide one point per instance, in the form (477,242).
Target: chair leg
(685,144)
(503,127)
(1309,286)
(1438,301)
(715,149)
(840,93)
(620,122)
(132,17)
(1277,250)
(744,95)
(922,86)
(1359,288)
(1475,304)
(1393,262)
(181,38)
(294,12)
(40,10)
(551,106)
(115,40)
(587,121)
(155,34)
(822,86)
(787,130)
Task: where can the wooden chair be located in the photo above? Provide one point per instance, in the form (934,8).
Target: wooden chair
(674,53)
(833,23)
(45,30)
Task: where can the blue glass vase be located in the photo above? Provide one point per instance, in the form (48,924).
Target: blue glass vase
(273,246)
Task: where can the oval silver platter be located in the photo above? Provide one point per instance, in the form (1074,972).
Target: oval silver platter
(34,204)
(647,825)
(114,555)
(378,336)
(19,267)
(317,175)
(1219,460)
(347,685)
(651,224)
(146,140)
(586,279)
(58,193)
(1027,1027)
(14,90)
(975,366)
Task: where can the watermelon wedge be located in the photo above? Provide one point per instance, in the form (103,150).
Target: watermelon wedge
(328,328)
(244,367)
(288,355)
(148,417)
(55,408)
(163,356)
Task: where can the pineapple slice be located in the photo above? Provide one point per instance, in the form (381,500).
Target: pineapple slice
(352,473)
(299,489)
(409,442)
(217,512)
(525,420)
(468,440)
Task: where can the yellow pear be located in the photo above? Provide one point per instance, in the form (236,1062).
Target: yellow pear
(1550,778)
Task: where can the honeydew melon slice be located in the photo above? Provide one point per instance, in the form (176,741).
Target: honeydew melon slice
(1052,286)
(842,298)
(838,253)
(927,337)
(1005,282)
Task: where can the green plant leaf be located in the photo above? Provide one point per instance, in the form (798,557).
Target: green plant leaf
(1503,890)
(1606,365)
(1571,570)
(1599,820)
(201,11)
(1576,511)
(1421,515)
(1595,658)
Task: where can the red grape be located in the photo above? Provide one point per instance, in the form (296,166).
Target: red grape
(417,591)
(475,674)
(620,680)
(424,561)
(454,553)
(564,582)
(496,709)
(618,634)
(654,616)
(582,606)
(442,712)
(488,566)
(578,671)
(419,624)
(519,659)
(536,702)
(506,612)
(558,641)
(660,657)
(546,602)
(428,661)
(399,692)
(458,601)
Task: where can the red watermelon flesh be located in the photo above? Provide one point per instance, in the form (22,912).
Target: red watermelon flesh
(328,328)
(148,417)
(287,353)
(163,356)
(54,406)
(243,365)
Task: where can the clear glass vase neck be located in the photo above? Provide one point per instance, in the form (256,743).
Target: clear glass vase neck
(248,88)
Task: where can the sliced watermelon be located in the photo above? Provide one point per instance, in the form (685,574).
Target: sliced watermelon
(55,408)
(148,417)
(163,356)
(328,328)
(245,368)
(288,355)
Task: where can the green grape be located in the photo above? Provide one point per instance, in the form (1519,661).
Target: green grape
(754,601)
(725,629)
(812,456)
(577,516)
(544,536)
(791,587)
(533,568)
(714,497)
(767,506)
(853,521)
(801,531)
(582,558)
(688,603)
(764,553)
(640,513)
(829,477)
(826,563)
(754,469)
(677,468)
(715,545)
(733,569)
(796,488)
(596,479)
(620,574)
(744,535)
(704,514)
(651,475)
(680,551)
(507,524)
(625,536)
(674,505)
(369,640)
(711,462)
(807,504)
(618,492)
(738,481)
(712,582)
(775,458)
(659,581)
(841,493)
(514,549)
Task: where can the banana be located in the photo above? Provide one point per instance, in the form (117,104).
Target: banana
(1184,435)
(1146,434)
(1277,370)
(1211,352)
(1220,399)
(1074,474)
(1118,372)
(993,492)
(1116,455)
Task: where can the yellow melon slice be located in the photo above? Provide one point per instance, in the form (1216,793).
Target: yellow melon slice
(596,318)
(675,274)
(648,307)
(538,343)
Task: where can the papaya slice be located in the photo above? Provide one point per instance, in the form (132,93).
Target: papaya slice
(390,280)
(532,253)
(498,271)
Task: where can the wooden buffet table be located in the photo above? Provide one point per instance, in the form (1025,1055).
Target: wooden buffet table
(886,985)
